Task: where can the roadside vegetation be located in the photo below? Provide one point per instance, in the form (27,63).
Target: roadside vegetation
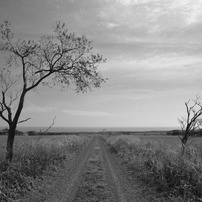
(32,160)
(160,165)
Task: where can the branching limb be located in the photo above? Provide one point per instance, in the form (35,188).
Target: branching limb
(6,107)
(191,123)
(52,124)
(38,81)
(3,117)
(24,120)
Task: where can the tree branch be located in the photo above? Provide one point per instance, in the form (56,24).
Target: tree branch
(39,81)
(191,123)
(53,122)
(4,118)
(24,120)
(7,107)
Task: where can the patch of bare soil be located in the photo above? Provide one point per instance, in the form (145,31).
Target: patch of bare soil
(96,184)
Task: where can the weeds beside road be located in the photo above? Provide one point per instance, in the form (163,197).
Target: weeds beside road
(32,159)
(125,168)
(175,177)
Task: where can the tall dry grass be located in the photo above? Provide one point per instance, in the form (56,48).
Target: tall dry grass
(156,163)
(32,159)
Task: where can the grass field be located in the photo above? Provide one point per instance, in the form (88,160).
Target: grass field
(155,158)
(33,156)
(49,139)
(173,141)
(157,161)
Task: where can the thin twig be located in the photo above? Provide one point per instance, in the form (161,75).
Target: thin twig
(50,126)
(24,120)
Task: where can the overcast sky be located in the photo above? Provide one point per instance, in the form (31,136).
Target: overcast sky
(154,59)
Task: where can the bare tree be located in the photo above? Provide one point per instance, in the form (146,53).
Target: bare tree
(191,122)
(62,58)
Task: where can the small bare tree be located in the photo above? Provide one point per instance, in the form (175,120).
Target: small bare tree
(192,122)
(61,58)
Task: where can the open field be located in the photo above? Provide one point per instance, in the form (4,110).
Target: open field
(173,141)
(23,140)
(161,136)
(101,167)
(33,158)
(160,164)
(94,175)
(151,135)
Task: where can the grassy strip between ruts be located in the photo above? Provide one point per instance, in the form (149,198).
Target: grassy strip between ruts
(155,163)
(32,160)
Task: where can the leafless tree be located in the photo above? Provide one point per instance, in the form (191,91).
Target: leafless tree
(61,58)
(192,122)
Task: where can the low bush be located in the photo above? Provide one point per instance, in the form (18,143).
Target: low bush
(30,162)
(156,163)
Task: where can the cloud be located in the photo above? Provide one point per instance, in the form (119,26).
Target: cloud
(111,25)
(85,113)
(152,18)
(153,77)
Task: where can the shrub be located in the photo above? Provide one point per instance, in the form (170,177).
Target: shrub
(32,133)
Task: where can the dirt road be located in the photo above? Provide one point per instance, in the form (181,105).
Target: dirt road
(93,176)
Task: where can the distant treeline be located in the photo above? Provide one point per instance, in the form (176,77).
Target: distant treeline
(197,133)
(34,133)
(5,132)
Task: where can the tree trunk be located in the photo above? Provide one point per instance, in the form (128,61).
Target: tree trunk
(184,144)
(183,149)
(9,145)
(12,129)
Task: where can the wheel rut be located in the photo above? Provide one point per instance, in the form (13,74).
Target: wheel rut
(77,170)
(96,183)
(99,181)
(113,174)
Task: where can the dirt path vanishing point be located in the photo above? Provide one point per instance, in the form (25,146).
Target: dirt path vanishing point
(94,176)
(97,178)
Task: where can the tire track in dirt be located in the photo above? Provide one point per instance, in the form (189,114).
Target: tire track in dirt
(128,191)
(113,173)
(103,180)
(77,170)
(96,184)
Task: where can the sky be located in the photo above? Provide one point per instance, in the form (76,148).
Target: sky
(154,60)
